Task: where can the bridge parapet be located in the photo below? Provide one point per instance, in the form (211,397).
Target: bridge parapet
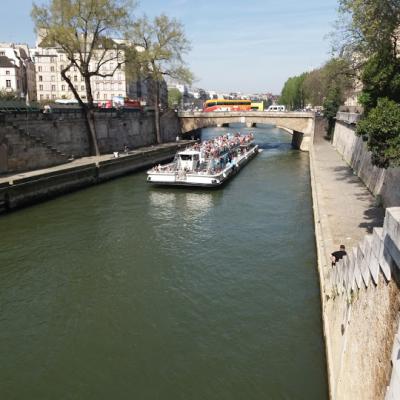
(300,124)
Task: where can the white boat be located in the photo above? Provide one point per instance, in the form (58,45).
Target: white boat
(208,164)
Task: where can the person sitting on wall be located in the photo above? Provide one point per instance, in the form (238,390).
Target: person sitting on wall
(338,255)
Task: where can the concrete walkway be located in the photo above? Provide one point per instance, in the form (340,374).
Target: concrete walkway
(347,210)
(80,162)
(344,212)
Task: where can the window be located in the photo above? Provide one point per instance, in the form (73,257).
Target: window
(74,69)
(82,79)
(53,96)
(105,96)
(75,78)
(7,72)
(2,53)
(82,87)
(40,78)
(41,97)
(53,88)
(63,88)
(39,68)
(8,83)
(52,68)
(40,87)
(52,59)
(61,67)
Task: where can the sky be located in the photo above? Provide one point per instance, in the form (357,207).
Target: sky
(237,46)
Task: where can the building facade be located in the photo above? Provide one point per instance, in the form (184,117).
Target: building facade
(17,71)
(50,61)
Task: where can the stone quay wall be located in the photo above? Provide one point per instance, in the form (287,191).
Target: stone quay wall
(385,184)
(363,316)
(22,190)
(30,141)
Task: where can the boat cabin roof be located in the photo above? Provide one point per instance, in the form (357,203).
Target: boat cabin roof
(189,152)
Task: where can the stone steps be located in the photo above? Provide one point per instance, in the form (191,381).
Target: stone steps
(41,142)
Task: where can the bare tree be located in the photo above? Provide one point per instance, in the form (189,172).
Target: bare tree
(163,44)
(90,33)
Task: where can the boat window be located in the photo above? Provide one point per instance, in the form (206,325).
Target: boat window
(186,157)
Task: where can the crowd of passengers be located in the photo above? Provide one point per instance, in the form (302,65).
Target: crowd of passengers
(214,148)
(218,152)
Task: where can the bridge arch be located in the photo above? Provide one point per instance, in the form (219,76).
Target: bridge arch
(300,124)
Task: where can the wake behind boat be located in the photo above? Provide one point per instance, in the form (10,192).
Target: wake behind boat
(207,164)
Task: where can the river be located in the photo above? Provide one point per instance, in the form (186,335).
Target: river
(126,291)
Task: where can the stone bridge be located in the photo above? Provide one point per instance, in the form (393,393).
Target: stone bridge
(300,124)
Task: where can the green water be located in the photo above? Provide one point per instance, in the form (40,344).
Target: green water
(125,291)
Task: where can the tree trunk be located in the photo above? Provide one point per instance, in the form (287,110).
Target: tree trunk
(89,119)
(157,113)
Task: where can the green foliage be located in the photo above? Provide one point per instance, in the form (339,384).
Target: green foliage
(367,25)
(174,97)
(380,78)
(370,36)
(382,127)
(293,95)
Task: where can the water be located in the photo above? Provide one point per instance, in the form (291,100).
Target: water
(125,291)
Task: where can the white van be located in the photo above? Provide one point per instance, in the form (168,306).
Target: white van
(276,107)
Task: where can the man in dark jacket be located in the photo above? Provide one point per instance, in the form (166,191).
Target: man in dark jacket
(338,255)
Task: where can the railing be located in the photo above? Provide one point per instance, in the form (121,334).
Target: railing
(348,117)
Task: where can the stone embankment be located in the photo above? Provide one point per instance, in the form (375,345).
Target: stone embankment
(30,141)
(385,184)
(360,295)
(23,189)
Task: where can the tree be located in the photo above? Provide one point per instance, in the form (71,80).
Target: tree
(382,127)
(314,87)
(293,95)
(85,30)
(174,97)
(371,34)
(381,78)
(367,25)
(164,43)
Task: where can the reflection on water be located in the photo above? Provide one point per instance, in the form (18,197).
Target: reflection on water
(190,205)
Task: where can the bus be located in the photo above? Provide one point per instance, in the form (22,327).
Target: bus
(257,106)
(227,105)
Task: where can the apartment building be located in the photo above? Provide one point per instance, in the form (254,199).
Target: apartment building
(50,61)
(17,71)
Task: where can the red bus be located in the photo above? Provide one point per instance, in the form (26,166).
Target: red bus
(227,105)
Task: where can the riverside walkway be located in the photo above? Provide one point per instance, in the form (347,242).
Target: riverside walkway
(344,212)
(347,210)
(25,188)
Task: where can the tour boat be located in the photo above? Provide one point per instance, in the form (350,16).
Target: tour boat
(207,164)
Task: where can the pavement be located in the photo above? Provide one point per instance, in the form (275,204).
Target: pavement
(79,162)
(347,210)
